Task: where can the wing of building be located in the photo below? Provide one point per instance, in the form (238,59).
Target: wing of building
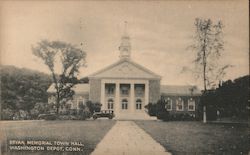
(126,87)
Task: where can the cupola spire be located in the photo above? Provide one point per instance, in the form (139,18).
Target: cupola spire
(125,46)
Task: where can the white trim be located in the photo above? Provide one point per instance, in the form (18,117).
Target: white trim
(132,96)
(138,106)
(110,103)
(191,101)
(154,75)
(182,103)
(124,104)
(171,104)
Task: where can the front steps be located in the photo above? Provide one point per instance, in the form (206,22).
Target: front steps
(133,116)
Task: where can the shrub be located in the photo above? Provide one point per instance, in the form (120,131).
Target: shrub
(39,108)
(83,114)
(181,117)
(151,108)
(7,114)
(161,112)
(93,107)
(73,112)
(47,116)
(23,115)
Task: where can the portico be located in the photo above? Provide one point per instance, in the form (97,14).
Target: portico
(124,95)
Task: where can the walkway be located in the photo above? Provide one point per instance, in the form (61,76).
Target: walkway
(126,138)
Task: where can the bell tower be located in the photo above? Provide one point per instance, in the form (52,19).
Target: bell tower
(125,46)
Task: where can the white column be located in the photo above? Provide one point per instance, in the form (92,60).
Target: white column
(117,98)
(146,94)
(104,106)
(132,97)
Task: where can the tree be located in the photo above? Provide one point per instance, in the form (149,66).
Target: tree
(93,106)
(208,46)
(22,88)
(39,108)
(69,57)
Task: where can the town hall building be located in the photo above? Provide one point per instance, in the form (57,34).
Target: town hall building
(126,87)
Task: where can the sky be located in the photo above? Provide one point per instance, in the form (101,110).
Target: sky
(160,33)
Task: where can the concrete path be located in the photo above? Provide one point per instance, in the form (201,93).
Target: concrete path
(126,138)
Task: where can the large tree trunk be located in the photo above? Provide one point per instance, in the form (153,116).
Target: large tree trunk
(57,104)
(204,79)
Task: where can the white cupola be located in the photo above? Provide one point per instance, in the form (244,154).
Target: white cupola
(125,46)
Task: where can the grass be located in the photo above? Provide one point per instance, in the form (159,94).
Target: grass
(87,132)
(197,138)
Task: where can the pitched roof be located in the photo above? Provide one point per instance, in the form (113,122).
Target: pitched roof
(125,68)
(78,88)
(185,90)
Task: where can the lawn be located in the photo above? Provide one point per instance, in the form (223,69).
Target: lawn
(88,133)
(197,138)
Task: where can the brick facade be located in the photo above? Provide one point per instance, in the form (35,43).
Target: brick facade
(95,90)
(154,91)
(185,99)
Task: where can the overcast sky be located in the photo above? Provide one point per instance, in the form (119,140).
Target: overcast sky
(160,33)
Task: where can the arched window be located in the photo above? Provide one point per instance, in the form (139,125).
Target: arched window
(191,105)
(168,105)
(124,104)
(138,104)
(110,104)
(179,105)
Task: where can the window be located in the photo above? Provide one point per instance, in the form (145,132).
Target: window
(191,105)
(124,104)
(110,89)
(110,104)
(168,105)
(179,105)
(125,89)
(138,104)
(139,89)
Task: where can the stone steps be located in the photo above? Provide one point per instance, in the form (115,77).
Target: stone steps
(134,116)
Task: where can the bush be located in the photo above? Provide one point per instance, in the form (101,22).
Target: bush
(73,112)
(47,116)
(161,112)
(23,115)
(39,108)
(93,107)
(7,114)
(181,117)
(83,114)
(163,116)
(67,117)
(151,109)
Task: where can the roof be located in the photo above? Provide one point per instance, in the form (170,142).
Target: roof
(78,88)
(125,68)
(184,90)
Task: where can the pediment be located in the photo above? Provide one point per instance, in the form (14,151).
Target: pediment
(125,69)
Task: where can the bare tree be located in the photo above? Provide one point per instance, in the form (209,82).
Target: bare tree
(208,44)
(70,59)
